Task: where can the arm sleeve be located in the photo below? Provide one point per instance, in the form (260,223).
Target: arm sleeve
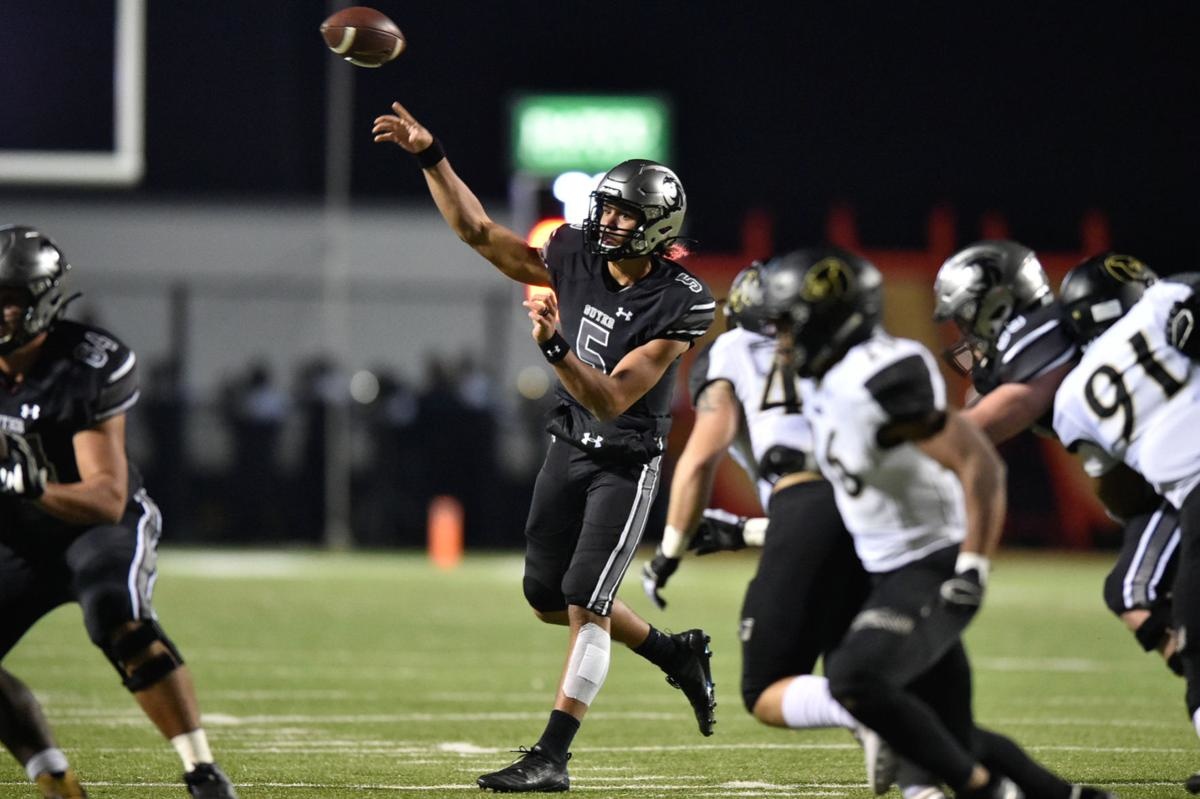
(690,312)
(913,399)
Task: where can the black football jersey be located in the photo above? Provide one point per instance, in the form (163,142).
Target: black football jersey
(1030,345)
(604,321)
(84,376)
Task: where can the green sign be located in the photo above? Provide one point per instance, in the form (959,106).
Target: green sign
(556,133)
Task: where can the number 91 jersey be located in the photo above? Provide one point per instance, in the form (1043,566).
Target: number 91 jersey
(1132,399)
(898,503)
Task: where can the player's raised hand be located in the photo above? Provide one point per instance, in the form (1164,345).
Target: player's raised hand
(402,129)
(543,312)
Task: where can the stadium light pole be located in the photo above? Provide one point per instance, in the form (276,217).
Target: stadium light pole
(335,295)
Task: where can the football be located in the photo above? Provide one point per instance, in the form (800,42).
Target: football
(363,36)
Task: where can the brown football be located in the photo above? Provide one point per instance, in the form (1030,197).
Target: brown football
(363,36)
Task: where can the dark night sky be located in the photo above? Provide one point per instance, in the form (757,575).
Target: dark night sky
(1039,110)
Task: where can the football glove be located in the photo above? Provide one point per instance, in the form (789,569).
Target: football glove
(1181,327)
(655,575)
(963,593)
(21,474)
(719,531)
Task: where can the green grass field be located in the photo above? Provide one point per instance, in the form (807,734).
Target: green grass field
(376,675)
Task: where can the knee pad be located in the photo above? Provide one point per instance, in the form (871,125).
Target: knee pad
(127,646)
(588,665)
(542,597)
(105,608)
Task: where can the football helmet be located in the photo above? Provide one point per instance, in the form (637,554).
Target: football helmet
(647,188)
(744,305)
(823,301)
(980,288)
(29,260)
(1098,292)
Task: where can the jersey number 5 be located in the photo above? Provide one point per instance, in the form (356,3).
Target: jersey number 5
(1122,399)
(591,334)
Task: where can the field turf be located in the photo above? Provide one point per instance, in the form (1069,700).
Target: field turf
(376,675)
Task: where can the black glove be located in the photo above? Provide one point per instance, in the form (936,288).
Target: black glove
(21,474)
(655,575)
(1181,327)
(719,531)
(963,593)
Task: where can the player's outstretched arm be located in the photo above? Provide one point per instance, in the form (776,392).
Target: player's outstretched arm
(606,396)
(103,488)
(458,204)
(718,415)
(1013,408)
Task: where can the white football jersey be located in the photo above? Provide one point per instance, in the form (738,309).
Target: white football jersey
(1132,399)
(898,503)
(745,359)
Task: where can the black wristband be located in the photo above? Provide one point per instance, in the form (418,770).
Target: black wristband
(431,155)
(555,348)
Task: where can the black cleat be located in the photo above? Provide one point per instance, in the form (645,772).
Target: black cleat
(534,770)
(207,781)
(692,674)
(1193,783)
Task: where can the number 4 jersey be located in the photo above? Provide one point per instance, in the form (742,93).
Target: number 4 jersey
(898,503)
(1132,399)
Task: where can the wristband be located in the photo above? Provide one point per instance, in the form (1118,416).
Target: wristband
(968,561)
(431,156)
(554,348)
(754,533)
(673,542)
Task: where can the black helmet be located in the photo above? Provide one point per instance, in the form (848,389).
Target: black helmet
(650,190)
(1098,292)
(29,260)
(744,307)
(827,299)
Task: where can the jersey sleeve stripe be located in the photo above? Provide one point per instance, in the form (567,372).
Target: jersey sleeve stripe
(705,306)
(1057,362)
(119,409)
(1033,336)
(123,369)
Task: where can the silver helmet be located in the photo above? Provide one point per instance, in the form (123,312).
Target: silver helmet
(983,286)
(647,188)
(29,260)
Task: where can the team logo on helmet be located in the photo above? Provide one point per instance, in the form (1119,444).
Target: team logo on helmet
(828,278)
(747,292)
(1127,269)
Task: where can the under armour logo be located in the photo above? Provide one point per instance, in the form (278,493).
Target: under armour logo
(556,350)
(624,314)
(595,441)
(30,411)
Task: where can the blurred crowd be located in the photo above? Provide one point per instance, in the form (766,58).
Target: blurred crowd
(252,464)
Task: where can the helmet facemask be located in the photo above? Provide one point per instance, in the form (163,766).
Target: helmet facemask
(643,188)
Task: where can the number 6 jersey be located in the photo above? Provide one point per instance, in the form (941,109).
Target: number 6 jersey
(898,503)
(1132,399)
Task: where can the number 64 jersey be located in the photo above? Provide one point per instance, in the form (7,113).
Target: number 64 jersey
(1132,399)
(898,503)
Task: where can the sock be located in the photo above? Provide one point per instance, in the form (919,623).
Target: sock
(658,648)
(192,748)
(807,703)
(1196,721)
(556,738)
(47,761)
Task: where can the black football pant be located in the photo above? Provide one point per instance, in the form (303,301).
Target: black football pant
(808,587)
(1144,574)
(1187,598)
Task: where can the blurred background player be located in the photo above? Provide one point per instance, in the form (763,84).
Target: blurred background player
(77,525)
(1017,344)
(629,312)
(922,492)
(809,583)
(1132,400)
